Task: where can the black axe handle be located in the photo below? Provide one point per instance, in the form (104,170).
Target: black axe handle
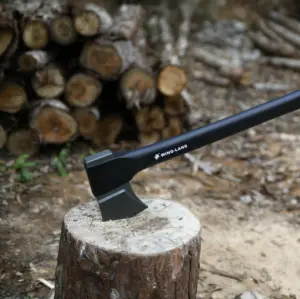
(194,139)
(108,171)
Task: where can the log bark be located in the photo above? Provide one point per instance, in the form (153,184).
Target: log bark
(149,138)
(92,20)
(82,90)
(87,119)
(286,21)
(52,121)
(152,255)
(107,130)
(211,78)
(3,137)
(109,59)
(23,141)
(150,118)
(49,82)
(282,62)
(173,128)
(13,96)
(127,21)
(33,60)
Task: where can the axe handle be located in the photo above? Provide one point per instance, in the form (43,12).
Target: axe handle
(147,156)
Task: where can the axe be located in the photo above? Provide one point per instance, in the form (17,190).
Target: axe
(109,173)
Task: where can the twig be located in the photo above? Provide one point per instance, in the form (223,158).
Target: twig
(223,273)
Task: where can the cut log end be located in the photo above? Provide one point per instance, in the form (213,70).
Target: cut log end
(63,31)
(149,119)
(154,255)
(35,34)
(82,90)
(174,128)
(138,87)
(175,106)
(13,97)
(24,141)
(6,38)
(107,130)
(149,138)
(172,80)
(53,124)
(49,82)
(33,60)
(87,119)
(3,137)
(87,23)
(108,59)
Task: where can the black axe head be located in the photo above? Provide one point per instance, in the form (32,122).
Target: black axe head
(110,173)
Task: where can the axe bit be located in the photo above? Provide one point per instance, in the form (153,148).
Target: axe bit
(109,173)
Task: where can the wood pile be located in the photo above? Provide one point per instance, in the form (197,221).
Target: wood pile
(82,72)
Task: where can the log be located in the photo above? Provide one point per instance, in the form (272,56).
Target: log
(149,138)
(36,25)
(62,30)
(175,106)
(92,20)
(109,59)
(173,128)
(282,62)
(172,80)
(13,96)
(152,255)
(138,87)
(49,82)
(9,34)
(52,121)
(272,47)
(127,21)
(107,130)
(33,60)
(3,137)
(285,21)
(149,119)
(82,90)
(211,78)
(222,65)
(23,141)
(86,119)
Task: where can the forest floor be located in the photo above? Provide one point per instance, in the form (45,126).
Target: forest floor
(246,195)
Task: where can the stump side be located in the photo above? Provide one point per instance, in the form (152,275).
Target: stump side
(152,255)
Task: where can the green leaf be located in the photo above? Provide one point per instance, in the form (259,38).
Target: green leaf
(60,167)
(25,175)
(31,164)
(20,161)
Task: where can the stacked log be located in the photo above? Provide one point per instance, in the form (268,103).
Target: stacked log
(83,72)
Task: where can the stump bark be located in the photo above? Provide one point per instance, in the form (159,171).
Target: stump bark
(152,255)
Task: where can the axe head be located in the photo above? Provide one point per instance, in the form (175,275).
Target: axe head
(109,175)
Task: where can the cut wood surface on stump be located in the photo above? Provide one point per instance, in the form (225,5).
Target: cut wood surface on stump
(152,255)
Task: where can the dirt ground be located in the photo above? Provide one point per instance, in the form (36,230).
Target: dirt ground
(246,194)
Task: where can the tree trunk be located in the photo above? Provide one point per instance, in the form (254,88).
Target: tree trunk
(153,255)
(82,90)
(53,122)
(92,20)
(107,58)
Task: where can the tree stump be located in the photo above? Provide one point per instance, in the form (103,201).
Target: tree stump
(154,255)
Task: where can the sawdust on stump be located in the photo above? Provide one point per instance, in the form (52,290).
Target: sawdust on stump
(152,255)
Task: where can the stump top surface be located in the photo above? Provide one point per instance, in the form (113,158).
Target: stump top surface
(163,226)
